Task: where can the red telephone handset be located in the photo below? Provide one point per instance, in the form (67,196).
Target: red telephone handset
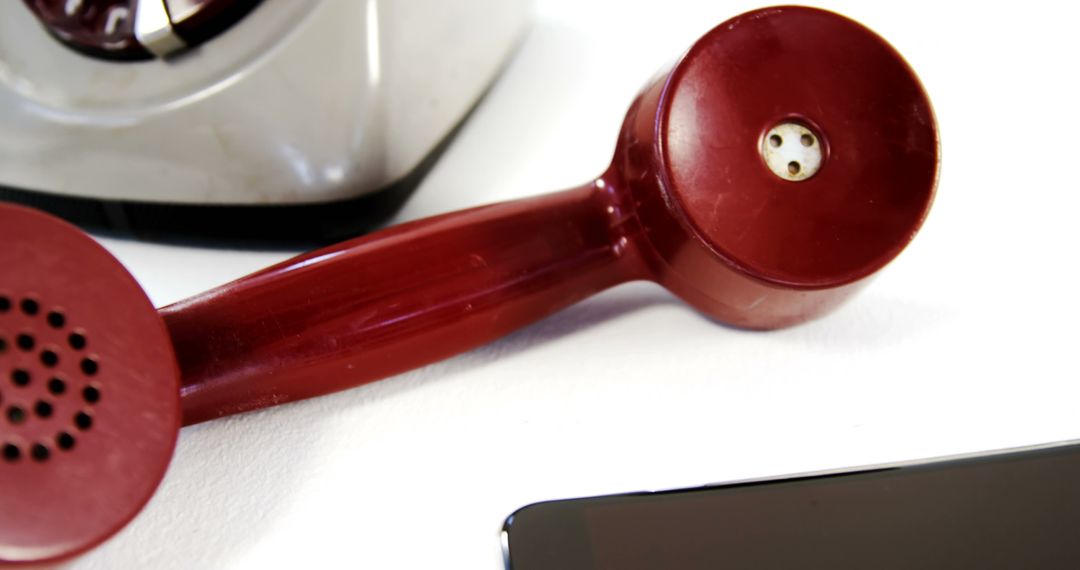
(695,199)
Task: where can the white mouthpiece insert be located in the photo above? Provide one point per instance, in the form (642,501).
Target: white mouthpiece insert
(792,151)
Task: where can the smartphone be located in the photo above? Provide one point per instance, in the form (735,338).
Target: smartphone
(1012,509)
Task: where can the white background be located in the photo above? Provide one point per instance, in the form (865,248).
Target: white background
(967,342)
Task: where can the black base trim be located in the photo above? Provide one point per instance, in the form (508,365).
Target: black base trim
(260,226)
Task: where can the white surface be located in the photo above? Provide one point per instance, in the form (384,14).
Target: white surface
(300,101)
(965,343)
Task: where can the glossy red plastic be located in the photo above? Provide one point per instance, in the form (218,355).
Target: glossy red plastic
(88,391)
(687,202)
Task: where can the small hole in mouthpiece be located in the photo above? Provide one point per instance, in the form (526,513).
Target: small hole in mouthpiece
(89,366)
(29,306)
(807,140)
(25,342)
(12,452)
(16,415)
(56,319)
(775,141)
(43,409)
(77,341)
(49,358)
(5,304)
(793,168)
(3,345)
(20,377)
(39,452)
(65,441)
(91,394)
(83,421)
(57,386)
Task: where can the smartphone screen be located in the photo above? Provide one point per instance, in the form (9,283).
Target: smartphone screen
(1011,510)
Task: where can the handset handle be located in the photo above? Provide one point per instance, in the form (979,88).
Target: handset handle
(395,300)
